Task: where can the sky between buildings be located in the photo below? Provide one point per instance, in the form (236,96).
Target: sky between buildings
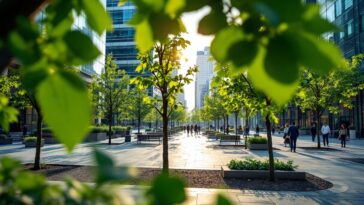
(198,43)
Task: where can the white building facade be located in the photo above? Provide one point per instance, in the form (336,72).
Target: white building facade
(203,77)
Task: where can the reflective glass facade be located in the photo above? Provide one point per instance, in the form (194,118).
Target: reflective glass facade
(120,42)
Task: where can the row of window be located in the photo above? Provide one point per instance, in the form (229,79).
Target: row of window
(121,35)
(336,9)
(123,53)
(121,16)
(114,3)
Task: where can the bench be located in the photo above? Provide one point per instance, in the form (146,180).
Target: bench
(230,138)
(149,137)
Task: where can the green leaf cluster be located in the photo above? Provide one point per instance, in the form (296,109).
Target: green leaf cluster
(270,39)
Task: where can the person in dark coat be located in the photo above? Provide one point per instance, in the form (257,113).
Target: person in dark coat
(195,129)
(257,129)
(293,135)
(188,129)
(313,131)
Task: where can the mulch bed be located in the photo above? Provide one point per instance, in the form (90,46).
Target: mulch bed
(193,178)
(356,160)
(320,149)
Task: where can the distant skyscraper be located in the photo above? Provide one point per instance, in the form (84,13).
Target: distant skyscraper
(203,76)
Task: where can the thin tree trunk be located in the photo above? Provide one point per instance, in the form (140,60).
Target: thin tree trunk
(39,141)
(139,124)
(318,129)
(227,124)
(165,137)
(224,124)
(109,133)
(270,149)
(236,123)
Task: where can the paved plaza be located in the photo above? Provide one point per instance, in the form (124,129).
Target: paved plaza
(197,152)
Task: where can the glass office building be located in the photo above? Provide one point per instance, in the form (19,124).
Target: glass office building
(121,42)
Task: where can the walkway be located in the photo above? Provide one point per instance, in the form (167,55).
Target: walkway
(194,152)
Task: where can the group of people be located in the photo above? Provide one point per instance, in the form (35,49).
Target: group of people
(326,131)
(291,134)
(192,129)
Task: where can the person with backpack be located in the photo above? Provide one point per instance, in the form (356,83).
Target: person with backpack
(285,135)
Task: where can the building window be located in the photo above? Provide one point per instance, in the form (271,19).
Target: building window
(338,7)
(350,28)
(348,3)
(331,13)
(341,35)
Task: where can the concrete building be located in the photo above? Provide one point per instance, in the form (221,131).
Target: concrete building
(203,77)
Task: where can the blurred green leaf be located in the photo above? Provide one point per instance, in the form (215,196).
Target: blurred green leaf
(281,60)
(174,6)
(144,36)
(223,41)
(65,107)
(316,53)
(97,17)
(243,52)
(82,49)
(280,92)
(166,190)
(212,23)
(107,172)
(222,200)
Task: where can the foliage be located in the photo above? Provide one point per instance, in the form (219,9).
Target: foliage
(30,139)
(257,140)
(269,39)
(179,114)
(138,107)
(161,64)
(7,114)
(109,91)
(320,93)
(252,164)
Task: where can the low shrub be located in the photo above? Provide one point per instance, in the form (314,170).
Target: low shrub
(3,137)
(99,129)
(148,130)
(30,139)
(252,164)
(119,128)
(46,130)
(257,140)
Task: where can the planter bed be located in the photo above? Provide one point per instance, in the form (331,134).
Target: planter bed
(6,141)
(33,144)
(94,137)
(257,146)
(226,172)
(196,178)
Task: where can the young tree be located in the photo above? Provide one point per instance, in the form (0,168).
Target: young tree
(153,117)
(161,64)
(251,98)
(109,92)
(138,107)
(10,85)
(320,93)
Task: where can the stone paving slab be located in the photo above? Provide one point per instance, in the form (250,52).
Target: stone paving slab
(197,152)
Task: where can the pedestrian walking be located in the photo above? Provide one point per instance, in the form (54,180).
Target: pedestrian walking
(199,129)
(188,129)
(343,135)
(273,130)
(325,131)
(195,129)
(293,135)
(257,129)
(285,135)
(313,131)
